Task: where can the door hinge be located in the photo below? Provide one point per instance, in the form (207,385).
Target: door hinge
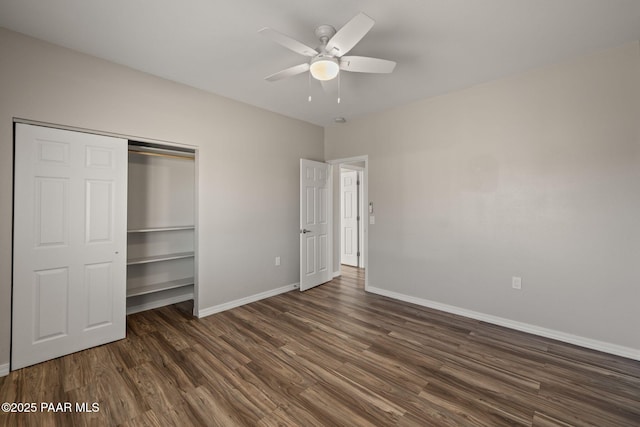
(358,254)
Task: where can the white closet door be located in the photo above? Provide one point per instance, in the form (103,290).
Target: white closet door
(69,257)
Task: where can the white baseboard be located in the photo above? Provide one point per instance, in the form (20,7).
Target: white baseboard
(246,300)
(605,347)
(336,274)
(4,370)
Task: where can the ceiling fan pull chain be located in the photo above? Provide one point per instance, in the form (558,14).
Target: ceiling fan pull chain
(339,88)
(309,87)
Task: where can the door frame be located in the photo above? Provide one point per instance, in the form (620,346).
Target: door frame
(336,163)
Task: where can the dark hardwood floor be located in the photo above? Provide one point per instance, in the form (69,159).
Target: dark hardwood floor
(332,356)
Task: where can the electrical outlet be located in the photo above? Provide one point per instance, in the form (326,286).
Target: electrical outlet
(516,282)
(372,219)
(277,261)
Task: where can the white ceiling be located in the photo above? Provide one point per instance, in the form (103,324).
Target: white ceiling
(439,45)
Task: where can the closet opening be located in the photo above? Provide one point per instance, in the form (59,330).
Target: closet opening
(161,230)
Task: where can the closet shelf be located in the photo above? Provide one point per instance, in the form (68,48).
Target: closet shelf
(159,258)
(155,229)
(158,287)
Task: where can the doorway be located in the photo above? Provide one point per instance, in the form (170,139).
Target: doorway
(342,234)
(351,216)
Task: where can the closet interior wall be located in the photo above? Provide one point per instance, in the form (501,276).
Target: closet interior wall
(161,226)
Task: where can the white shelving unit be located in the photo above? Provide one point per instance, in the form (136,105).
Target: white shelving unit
(164,286)
(152,230)
(160,240)
(159,258)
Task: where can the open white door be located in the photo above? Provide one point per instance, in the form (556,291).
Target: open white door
(349,218)
(69,253)
(314,224)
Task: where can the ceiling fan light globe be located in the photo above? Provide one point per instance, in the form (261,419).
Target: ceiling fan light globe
(324,68)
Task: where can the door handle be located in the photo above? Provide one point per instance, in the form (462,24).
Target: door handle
(305,231)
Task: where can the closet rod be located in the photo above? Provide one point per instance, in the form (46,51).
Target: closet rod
(148,153)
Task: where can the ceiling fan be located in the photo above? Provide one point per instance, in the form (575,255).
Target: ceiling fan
(328,59)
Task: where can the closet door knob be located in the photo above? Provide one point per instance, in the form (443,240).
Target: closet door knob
(305,231)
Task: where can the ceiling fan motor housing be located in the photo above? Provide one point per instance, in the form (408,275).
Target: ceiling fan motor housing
(324,33)
(324,66)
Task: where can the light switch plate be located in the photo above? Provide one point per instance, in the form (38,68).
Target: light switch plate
(516,282)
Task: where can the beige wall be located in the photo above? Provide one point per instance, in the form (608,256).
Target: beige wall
(536,176)
(249,160)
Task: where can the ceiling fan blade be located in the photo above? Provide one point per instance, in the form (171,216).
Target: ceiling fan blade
(292,71)
(288,42)
(349,35)
(363,64)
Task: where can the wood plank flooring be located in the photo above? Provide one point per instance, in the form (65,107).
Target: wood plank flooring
(332,356)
